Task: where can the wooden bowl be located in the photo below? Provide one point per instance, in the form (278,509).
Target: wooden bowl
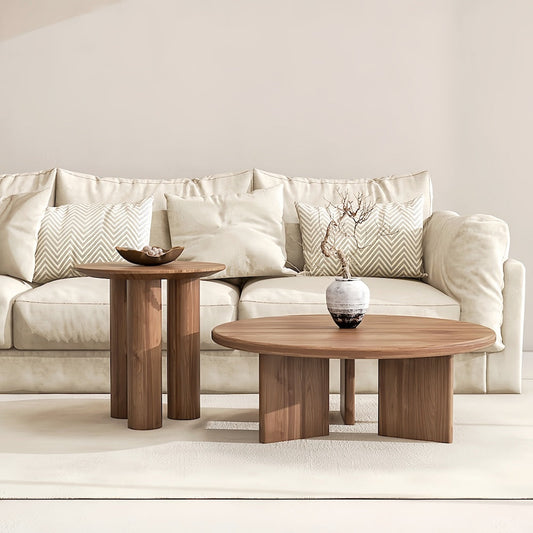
(139,257)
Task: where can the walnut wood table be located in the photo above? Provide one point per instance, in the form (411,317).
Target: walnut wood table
(415,395)
(135,338)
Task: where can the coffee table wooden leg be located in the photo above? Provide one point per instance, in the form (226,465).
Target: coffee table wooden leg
(118,349)
(416,398)
(183,349)
(144,354)
(293,398)
(348,391)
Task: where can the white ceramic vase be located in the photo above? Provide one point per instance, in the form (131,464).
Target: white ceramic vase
(347,300)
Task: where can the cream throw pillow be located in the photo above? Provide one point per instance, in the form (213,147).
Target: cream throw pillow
(387,245)
(243,231)
(464,256)
(321,191)
(88,233)
(20,218)
(29,182)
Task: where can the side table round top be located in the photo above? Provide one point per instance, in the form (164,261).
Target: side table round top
(378,337)
(175,270)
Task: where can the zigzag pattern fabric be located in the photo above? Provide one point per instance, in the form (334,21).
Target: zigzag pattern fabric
(388,244)
(88,233)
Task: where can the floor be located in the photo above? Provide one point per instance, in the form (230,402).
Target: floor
(289,514)
(259,516)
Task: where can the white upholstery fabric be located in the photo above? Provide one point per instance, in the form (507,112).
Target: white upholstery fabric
(10,288)
(77,188)
(504,369)
(73,314)
(307,295)
(86,371)
(29,182)
(159,230)
(243,231)
(20,219)
(463,257)
(320,191)
(225,371)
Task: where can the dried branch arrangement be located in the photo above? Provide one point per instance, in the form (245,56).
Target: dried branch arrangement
(357,211)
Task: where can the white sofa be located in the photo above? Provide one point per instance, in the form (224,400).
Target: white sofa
(55,337)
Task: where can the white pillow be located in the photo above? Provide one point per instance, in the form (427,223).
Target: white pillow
(20,218)
(243,231)
(88,233)
(323,191)
(29,182)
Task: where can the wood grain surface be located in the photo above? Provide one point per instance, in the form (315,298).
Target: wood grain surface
(378,337)
(347,398)
(177,269)
(144,354)
(118,349)
(293,398)
(183,349)
(415,398)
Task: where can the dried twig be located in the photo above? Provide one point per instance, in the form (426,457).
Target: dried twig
(357,210)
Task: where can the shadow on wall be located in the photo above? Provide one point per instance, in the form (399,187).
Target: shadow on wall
(19,17)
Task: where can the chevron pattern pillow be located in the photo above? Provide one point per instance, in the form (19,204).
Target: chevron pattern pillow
(389,242)
(88,233)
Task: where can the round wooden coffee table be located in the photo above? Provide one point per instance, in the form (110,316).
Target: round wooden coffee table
(135,338)
(415,371)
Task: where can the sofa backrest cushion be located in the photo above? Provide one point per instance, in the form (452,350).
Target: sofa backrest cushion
(78,188)
(322,191)
(29,182)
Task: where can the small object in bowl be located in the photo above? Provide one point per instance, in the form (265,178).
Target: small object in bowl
(153,251)
(150,255)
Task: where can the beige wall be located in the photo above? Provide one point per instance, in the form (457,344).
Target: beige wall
(338,88)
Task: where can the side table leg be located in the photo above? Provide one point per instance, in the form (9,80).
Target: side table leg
(118,349)
(416,398)
(293,398)
(348,391)
(183,349)
(144,354)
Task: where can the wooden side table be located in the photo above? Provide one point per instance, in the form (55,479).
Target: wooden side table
(135,338)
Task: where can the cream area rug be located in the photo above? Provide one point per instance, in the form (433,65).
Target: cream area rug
(67,446)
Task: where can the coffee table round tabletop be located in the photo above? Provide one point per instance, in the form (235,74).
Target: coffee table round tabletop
(378,337)
(415,371)
(135,338)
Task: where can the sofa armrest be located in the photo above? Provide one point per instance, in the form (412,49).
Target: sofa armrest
(10,288)
(463,257)
(504,369)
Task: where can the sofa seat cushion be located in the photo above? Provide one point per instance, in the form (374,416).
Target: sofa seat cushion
(307,295)
(73,314)
(10,288)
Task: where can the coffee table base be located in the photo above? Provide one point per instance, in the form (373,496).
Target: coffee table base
(416,398)
(293,398)
(348,391)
